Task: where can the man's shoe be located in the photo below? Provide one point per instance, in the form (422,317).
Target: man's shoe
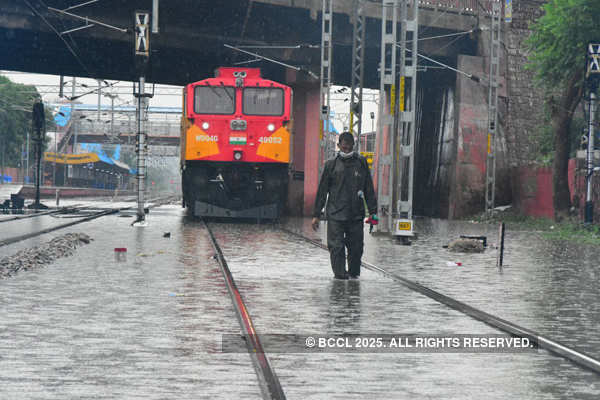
(345,276)
(354,276)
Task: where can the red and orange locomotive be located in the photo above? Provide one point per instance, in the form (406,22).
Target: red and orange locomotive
(235,145)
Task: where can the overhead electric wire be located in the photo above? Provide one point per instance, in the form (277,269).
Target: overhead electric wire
(79,61)
(80,5)
(434,20)
(473,77)
(87,20)
(448,44)
(309,72)
(449,34)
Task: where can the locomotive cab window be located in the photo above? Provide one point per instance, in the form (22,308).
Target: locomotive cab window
(214,100)
(263,101)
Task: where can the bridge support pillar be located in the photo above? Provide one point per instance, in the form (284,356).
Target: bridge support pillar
(468,172)
(383,160)
(305,172)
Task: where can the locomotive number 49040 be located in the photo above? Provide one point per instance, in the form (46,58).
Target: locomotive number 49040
(268,139)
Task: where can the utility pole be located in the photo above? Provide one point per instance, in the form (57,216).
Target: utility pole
(99,100)
(372,124)
(325,86)
(494,74)
(358,67)
(73,125)
(22,164)
(385,134)
(27,156)
(406,120)
(112,111)
(589,201)
(55,158)
(142,52)
(592,83)
(39,127)
(3,144)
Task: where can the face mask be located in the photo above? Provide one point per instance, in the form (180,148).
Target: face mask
(345,155)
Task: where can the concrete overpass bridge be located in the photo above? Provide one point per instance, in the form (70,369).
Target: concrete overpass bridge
(190,45)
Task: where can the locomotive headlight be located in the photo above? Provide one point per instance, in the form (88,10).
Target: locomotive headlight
(205,125)
(237,155)
(270,127)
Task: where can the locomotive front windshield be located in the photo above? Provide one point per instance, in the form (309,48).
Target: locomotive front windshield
(263,101)
(214,100)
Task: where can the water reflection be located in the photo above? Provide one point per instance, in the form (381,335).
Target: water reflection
(344,306)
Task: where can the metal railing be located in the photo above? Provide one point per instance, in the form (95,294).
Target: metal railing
(153,128)
(473,7)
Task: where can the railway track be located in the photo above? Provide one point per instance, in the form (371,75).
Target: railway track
(267,378)
(89,217)
(29,235)
(577,357)
(61,210)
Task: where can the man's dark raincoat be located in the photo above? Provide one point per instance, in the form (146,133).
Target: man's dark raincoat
(344,183)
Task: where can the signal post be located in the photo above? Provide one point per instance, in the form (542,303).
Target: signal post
(592,82)
(142,53)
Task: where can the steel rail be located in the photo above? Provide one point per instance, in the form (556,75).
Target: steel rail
(12,240)
(577,357)
(25,216)
(102,213)
(268,380)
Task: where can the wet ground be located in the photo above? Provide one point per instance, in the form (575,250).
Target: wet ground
(90,327)
(151,327)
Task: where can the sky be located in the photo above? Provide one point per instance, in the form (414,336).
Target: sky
(170,96)
(167,96)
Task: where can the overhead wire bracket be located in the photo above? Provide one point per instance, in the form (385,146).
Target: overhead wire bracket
(312,74)
(77,29)
(87,20)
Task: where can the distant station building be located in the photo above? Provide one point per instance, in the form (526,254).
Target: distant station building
(90,170)
(84,165)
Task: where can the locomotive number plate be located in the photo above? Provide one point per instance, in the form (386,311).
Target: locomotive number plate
(269,139)
(206,138)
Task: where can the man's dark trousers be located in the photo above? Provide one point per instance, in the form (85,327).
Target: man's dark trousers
(341,234)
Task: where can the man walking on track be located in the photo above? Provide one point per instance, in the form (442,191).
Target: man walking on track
(346,185)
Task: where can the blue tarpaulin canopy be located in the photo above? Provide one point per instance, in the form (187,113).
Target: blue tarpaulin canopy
(62,116)
(97,148)
(328,127)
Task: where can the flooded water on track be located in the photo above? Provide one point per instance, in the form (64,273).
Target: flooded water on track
(289,288)
(151,327)
(89,327)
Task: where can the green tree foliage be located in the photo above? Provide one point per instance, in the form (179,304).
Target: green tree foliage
(16,103)
(558,47)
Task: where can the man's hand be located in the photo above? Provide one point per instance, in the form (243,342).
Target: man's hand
(315,223)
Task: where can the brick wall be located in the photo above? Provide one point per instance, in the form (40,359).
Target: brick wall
(525,101)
